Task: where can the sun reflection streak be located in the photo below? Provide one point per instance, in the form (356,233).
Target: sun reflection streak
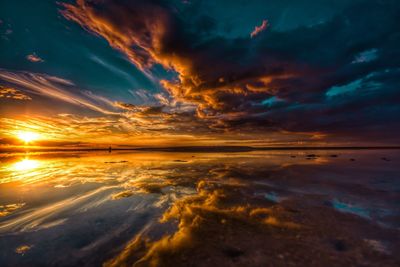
(26,165)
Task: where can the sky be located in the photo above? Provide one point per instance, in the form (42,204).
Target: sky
(184,72)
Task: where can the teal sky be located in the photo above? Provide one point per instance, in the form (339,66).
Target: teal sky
(67,50)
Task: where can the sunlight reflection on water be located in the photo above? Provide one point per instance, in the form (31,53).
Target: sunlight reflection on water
(25,165)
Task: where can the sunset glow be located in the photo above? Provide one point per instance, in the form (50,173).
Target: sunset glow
(199,133)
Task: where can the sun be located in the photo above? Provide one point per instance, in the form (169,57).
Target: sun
(27,137)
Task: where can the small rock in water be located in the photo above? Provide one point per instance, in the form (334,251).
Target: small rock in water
(179,160)
(328,203)
(232,252)
(339,245)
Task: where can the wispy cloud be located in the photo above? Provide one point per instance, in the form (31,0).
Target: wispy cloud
(54,87)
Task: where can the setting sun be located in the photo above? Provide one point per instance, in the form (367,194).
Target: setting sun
(28,137)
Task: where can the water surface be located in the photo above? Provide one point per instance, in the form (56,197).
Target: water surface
(263,208)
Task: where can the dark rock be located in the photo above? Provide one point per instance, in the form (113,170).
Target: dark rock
(232,252)
(339,245)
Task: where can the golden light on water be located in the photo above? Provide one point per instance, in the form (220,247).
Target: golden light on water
(27,136)
(26,165)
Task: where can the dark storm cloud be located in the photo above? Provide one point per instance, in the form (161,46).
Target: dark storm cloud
(234,80)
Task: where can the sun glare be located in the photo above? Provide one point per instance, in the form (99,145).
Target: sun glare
(26,165)
(28,137)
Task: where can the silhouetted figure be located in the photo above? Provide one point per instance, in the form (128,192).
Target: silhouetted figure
(109,149)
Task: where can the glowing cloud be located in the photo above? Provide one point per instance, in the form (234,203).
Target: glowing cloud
(258,29)
(11,93)
(34,58)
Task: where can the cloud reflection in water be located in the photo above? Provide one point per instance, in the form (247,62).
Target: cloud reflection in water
(179,208)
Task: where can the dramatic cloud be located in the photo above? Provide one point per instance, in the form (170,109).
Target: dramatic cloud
(270,83)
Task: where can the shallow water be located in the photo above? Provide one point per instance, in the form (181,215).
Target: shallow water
(271,208)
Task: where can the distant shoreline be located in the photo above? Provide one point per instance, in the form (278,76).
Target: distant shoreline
(202,149)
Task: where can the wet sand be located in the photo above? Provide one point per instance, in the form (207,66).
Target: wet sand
(259,208)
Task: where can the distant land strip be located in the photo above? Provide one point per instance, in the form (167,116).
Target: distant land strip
(202,149)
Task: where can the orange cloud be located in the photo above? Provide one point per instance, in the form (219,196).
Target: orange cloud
(147,21)
(258,29)
(7,209)
(13,94)
(148,33)
(34,58)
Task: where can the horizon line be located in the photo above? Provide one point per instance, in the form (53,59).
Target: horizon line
(205,149)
